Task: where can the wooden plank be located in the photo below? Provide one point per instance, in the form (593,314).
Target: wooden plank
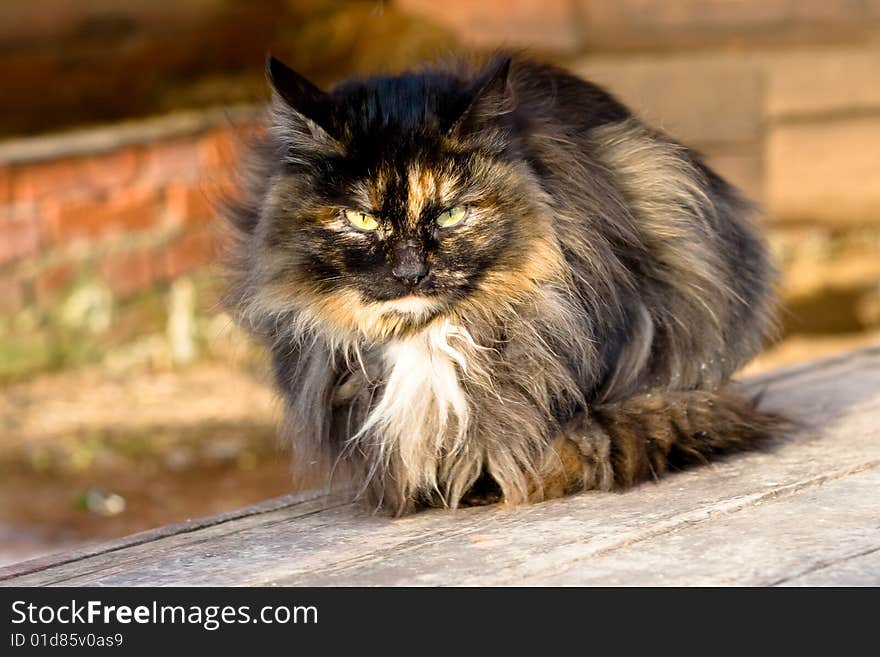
(858,570)
(776,541)
(805,511)
(293,505)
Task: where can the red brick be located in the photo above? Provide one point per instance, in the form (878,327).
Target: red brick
(33,182)
(11,294)
(172,160)
(116,169)
(48,283)
(126,273)
(75,177)
(20,236)
(542,24)
(190,251)
(189,202)
(5,184)
(127,209)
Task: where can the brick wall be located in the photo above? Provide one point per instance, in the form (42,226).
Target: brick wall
(781,95)
(93,223)
(133,214)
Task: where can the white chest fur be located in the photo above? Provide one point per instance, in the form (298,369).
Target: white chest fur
(423,411)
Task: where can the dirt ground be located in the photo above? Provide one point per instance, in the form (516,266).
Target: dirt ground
(86,454)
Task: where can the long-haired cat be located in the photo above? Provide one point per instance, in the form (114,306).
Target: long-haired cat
(494,283)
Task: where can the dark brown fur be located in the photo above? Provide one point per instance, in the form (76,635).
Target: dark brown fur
(578,330)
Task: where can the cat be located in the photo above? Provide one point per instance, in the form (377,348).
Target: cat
(494,283)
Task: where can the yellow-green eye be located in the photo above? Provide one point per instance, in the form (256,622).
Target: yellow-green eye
(451,217)
(361,220)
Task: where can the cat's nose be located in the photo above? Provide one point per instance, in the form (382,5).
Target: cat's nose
(408,263)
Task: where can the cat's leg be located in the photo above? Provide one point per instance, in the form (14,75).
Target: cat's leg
(620,444)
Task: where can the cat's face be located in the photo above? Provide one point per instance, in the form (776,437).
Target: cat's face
(401,201)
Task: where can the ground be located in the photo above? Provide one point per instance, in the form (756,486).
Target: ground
(172,444)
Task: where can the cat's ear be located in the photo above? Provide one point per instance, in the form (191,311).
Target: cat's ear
(486,105)
(303,101)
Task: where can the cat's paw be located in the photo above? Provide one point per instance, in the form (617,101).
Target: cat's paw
(594,450)
(578,459)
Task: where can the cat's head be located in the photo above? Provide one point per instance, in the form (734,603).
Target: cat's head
(400,200)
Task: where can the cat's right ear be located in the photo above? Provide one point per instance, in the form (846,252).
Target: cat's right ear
(486,105)
(305,102)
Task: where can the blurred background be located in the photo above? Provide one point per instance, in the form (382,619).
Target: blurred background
(127,398)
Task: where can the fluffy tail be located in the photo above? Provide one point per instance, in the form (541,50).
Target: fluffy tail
(645,436)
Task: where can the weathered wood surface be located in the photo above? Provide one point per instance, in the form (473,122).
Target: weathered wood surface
(806,512)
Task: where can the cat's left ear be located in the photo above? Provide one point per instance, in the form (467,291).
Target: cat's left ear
(488,104)
(308,104)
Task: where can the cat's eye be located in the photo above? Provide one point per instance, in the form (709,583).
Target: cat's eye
(451,217)
(361,220)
